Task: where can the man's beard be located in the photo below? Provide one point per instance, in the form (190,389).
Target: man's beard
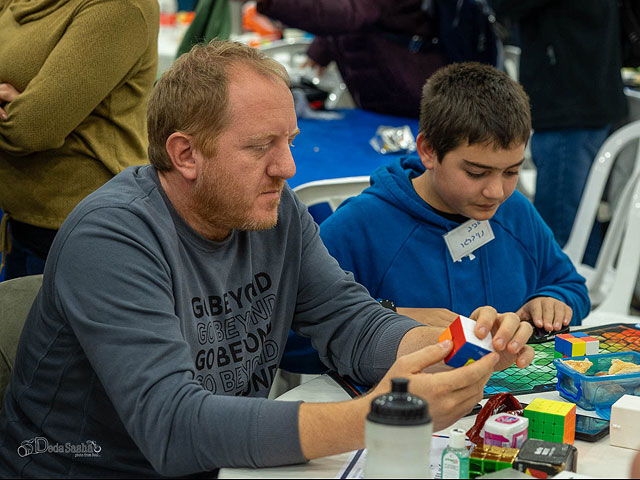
(222,206)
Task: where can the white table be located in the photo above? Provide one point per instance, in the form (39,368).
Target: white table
(597,459)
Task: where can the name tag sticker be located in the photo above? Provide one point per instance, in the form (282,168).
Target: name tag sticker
(467,238)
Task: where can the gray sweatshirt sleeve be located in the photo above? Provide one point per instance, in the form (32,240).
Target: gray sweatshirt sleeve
(352,332)
(113,285)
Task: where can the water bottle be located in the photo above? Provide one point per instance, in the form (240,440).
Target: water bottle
(398,435)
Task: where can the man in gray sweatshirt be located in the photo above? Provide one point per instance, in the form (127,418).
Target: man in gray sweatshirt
(169,293)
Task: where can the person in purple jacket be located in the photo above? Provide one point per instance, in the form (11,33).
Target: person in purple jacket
(383,48)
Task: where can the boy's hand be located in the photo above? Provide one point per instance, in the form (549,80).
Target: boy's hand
(510,336)
(546,312)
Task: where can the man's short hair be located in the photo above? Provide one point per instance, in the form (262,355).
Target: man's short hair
(192,95)
(474,103)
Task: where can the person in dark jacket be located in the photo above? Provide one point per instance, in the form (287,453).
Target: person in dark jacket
(570,68)
(383,48)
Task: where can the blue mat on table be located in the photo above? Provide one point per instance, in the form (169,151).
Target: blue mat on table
(340,148)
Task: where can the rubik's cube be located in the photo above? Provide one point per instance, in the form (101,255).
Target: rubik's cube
(467,347)
(490,458)
(577,344)
(551,420)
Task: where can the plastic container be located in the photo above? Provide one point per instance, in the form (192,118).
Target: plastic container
(398,433)
(505,430)
(597,393)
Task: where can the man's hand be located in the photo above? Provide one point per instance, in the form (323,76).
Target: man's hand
(546,312)
(330,428)
(7,95)
(510,336)
(451,394)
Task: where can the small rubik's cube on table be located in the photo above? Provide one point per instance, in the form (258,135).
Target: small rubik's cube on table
(467,347)
(577,344)
(551,420)
(490,458)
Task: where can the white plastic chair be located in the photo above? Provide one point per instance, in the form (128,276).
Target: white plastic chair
(596,182)
(611,289)
(332,191)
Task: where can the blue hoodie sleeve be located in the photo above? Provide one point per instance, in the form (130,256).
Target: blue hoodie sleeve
(338,239)
(353,238)
(557,276)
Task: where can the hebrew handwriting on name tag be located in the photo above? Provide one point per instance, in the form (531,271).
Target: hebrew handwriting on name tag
(472,238)
(462,241)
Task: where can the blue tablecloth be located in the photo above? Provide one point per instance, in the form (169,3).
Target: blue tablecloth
(340,148)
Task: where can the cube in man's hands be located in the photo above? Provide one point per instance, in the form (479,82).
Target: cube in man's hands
(467,347)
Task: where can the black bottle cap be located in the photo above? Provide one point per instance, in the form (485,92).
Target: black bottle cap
(399,407)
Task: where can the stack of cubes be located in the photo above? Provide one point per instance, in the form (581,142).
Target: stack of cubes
(490,458)
(577,344)
(467,348)
(551,420)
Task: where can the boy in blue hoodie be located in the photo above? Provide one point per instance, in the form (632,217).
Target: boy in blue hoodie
(446,228)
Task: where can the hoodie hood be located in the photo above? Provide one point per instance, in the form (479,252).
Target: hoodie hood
(392,183)
(25,11)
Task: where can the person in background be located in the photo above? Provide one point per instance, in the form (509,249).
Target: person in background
(75,76)
(446,228)
(383,48)
(169,293)
(570,67)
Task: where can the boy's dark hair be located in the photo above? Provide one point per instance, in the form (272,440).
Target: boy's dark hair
(476,104)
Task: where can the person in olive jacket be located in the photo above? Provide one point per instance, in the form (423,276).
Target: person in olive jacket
(75,76)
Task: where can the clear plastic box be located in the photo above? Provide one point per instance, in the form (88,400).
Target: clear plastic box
(597,393)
